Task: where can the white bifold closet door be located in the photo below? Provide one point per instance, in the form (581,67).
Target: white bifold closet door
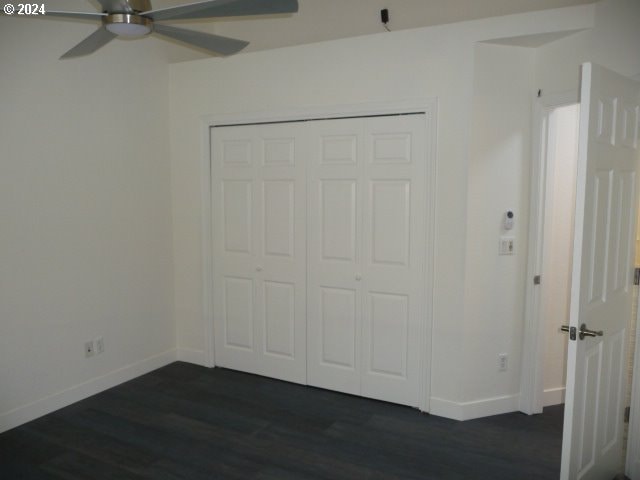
(366,294)
(259,253)
(352,192)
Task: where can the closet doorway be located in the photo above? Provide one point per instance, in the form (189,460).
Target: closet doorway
(322,234)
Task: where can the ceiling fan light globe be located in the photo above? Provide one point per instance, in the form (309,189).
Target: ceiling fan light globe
(128,29)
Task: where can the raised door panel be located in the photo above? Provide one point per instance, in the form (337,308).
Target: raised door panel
(390,202)
(338,220)
(237,206)
(613,393)
(391,148)
(630,126)
(279,151)
(606,109)
(238,313)
(279,319)
(600,218)
(235,152)
(338,313)
(236,345)
(589,409)
(336,149)
(621,244)
(279,218)
(389,322)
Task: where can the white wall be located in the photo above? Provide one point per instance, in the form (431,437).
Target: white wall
(499,157)
(424,63)
(85,224)
(612,43)
(498,178)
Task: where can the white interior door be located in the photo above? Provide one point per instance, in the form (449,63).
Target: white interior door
(335,255)
(259,237)
(393,268)
(601,298)
(366,256)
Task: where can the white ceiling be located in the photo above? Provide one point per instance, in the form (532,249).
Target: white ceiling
(320,20)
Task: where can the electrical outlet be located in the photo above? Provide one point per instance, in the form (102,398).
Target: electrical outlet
(99,345)
(89,349)
(503,362)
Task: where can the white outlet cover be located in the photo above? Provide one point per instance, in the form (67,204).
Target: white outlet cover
(99,345)
(503,362)
(89,349)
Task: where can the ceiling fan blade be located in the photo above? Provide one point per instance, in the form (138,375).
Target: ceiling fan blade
(81,15)
(93,42)
(213,43)
(224,8)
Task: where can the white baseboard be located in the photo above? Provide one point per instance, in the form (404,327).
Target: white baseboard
(475,409)
(188,355)
(553,396)
(50,403)
(633,471)
(445,408)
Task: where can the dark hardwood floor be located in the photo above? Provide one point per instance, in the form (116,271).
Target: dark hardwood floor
(188,422)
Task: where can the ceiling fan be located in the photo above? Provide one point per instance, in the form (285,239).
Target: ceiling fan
(135,18)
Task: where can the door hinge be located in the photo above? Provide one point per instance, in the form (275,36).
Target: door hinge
(627,414)
(537,279)
(636,276)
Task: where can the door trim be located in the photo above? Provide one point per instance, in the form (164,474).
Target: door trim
(632,466)
(427,106)
(531,378)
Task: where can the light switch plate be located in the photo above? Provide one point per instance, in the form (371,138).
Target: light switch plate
(507,246)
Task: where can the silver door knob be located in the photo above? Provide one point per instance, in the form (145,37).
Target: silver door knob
(585,332)
(258,268)
(358,277)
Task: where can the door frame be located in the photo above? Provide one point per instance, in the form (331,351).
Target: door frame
(426,106)
(632,464)
(531,379)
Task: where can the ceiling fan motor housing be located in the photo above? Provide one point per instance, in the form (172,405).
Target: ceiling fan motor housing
(124,18)
(129,6)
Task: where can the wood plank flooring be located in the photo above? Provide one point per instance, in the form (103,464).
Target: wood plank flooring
(188,422)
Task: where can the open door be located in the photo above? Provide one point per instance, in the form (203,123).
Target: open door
(602,277)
